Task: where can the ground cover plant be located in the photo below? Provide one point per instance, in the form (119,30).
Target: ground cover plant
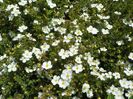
(66,49)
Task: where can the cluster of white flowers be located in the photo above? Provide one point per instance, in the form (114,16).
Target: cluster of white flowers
(18,37)
(24,2)
(98,6)
(73,50)
(117,92)
(90,60)
(126,83)
(92,30)
(14,10)
(12,67)
(85,16)
(86,89)
(63,80)
(57,21)
(61,30)
(26,56)
(128,71)
(103,74)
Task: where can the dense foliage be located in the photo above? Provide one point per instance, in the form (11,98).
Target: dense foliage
(66,49)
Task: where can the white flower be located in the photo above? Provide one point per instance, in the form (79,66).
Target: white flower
(45,47)
(101,76)
(119,43)
(9,7)
(115,91)
(22,28)
(85,88)
(55,80)
(40,95)
(84,16)
(94,62)
(26,56)
(77,68)
(18,37)
(108,75)
(35,22)
(126,83)
(61,30)
(3,57)
(103,17)
(56,42)
(78,59)
(12,67)
(0,37)
(78,32)
(89,93)
(68,38)
(46,29)
(26,11)
(98,6)
(37,52)
(22,2)
(92,30)
(115,0)
(51,4)
(15,12)
(128,71)
(73,50)
(105,31)
(117,13)
(129,38)
(130,56)
(109,26)
(63,83)
(129,93)
(56,21)
(63,54)
(116,75)
(1,1)
(30,1)
(66,75)
(28,70)
(103,49)
(47,65)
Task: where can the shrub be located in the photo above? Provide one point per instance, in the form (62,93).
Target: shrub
(66,49)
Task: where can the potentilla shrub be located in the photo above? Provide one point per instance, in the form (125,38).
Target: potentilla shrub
(66,49)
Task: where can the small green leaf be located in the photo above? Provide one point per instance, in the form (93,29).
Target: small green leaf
(110,96)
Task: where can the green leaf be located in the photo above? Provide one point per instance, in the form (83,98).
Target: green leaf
(131,97)
(110,96)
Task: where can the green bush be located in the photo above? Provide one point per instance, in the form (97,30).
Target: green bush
(66,49)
